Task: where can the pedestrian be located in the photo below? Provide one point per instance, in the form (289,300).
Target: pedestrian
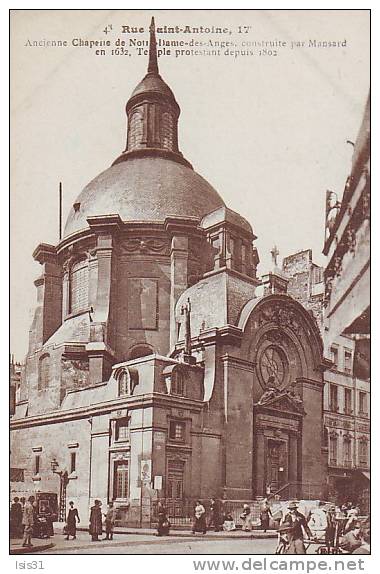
(28,522)
(352,517)
(265,513)
(296,523)
(16,517)
(95,527)
(71,521)
(331,528)
(214,519)
(318,521)
(110,521)
(246,518)
(163,525)
(199,524)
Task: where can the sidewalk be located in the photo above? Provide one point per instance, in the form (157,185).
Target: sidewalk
(16,546)
(187,533)
(131,536)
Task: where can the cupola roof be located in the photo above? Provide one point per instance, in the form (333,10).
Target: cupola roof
(150,180)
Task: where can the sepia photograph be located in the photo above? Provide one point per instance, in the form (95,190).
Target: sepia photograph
(189,282)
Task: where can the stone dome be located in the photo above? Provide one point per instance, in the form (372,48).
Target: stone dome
(146,189)
(153,83)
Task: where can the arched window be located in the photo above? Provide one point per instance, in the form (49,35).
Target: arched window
(123,383)
(128,379)
(79,286)
(44,372)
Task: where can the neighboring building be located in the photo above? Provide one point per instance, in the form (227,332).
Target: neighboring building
(346,391)
(347,279)
(15,372)
(153,369)
(347,247)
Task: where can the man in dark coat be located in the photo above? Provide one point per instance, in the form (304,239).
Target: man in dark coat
(214,519)
(95,527)
(297,525)
(71,521)
(163,525)
(16,517)
(265,513)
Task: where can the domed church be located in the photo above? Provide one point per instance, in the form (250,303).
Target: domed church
(155,370)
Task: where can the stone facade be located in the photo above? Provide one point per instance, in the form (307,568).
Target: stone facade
(346,390)
(154,370)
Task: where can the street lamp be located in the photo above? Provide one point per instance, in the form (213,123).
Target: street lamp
(63,482)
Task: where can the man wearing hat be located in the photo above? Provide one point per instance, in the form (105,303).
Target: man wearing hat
(295,524)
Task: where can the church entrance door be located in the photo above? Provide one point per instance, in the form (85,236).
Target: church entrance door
(276,469)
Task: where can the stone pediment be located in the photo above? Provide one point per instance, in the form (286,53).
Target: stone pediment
(280,401)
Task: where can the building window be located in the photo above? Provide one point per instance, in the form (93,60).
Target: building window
(363,452)
(177,431)
(348,401)
(121,479)
(136,130)
(123,384)
(334,356)
(347,361)
(333,450)
(37,464)
(347,451)
(317,275)
(122,429)
(167,131)
(79,287)
(73,461)
(177,383)
(44,372)
(127,379)
(333,398)
(174,487)
(362,403)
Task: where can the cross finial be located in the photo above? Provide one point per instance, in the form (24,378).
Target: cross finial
(275,253)
(152,64)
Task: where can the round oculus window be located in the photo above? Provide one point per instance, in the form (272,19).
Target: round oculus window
(272,366)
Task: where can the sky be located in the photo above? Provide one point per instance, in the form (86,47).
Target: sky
(269,132)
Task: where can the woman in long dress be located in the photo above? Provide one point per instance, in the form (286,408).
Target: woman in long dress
(163,521)
(199,524)
(71,522)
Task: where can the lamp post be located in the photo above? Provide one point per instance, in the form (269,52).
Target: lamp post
(63,482)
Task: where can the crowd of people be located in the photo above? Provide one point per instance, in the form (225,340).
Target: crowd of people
(337,529)
(334,528)
(27,522)
(218,518)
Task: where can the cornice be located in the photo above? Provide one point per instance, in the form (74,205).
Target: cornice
(238,363)
(104,408)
